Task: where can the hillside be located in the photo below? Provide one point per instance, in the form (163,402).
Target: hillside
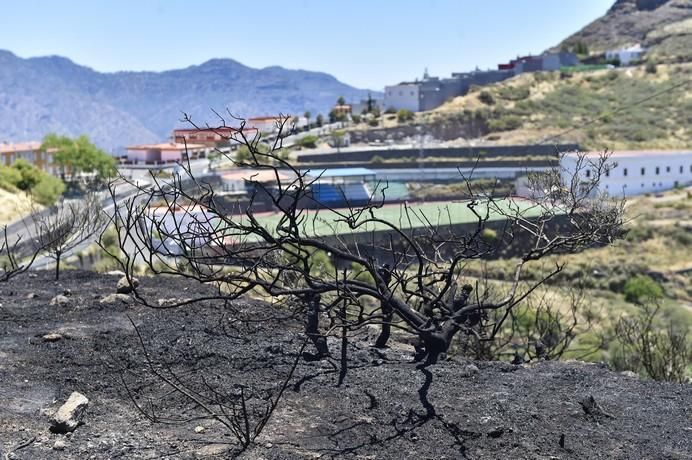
(664,27)
(598,109)
(14,205)
(40,95)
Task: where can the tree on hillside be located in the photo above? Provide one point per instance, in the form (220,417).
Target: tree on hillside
(348,268)
(424,294)
(307,116)
(65,227)
(80,155)
(319,120)
(16,255)
(341,101)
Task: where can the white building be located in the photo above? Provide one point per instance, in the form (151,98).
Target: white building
(635,172)
(171,152)
(402,96)
(626,55)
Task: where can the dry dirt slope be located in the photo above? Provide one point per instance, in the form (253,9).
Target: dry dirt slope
(477,410)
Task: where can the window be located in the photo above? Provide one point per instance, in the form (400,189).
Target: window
(658,170)
(643,171)
(681,169)
(667,168)
(607,172)
(588,173)
(624,171)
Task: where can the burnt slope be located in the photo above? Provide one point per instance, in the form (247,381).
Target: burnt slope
(386,408)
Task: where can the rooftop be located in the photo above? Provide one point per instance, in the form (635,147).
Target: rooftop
(19,147)
(340,172)
(257,175)
(633,153)
(166,146)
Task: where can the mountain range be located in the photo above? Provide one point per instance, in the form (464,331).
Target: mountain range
(53,94)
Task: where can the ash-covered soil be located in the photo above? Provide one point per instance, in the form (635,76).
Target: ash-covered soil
(385,407)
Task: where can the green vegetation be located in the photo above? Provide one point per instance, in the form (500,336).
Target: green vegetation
(76,156)
(486,98)
(308,142)
(404,115)
(642,289)
(43,187)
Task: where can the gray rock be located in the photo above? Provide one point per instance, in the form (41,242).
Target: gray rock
(116,298)
(59,445)
(115,273)
(52,337)
(69,415)
(60,300)
(629,374)
(124,286)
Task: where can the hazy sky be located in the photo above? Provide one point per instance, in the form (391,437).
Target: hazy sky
(365,43)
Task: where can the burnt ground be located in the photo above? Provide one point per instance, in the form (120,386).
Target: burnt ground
(385,407)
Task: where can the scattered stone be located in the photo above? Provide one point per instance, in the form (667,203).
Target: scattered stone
(269,445)
(59,445)
(125,287)
(70,414)
(472,368)
(170,301)
(592,408)
(199,429)
(212,450)
(67,292)
(59,300)
(116,298)
(115,273)
(496,433)
(52,337)
(629,374)
(31,295)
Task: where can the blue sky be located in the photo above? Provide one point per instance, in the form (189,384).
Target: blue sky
(365,43)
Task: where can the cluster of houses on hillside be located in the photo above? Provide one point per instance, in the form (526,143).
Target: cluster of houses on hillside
(431,92)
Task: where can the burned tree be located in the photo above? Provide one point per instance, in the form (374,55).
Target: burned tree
(16,255)
(240,251)
(66,226)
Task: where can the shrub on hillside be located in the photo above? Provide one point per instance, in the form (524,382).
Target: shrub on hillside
(24,176)
(642,288)
(404,115)
(514,93)
(309,141)
(505,123)
(486,98)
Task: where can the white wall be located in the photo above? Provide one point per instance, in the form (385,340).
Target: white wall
(141,156)
(639,172)
(626,56)
(404,96)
